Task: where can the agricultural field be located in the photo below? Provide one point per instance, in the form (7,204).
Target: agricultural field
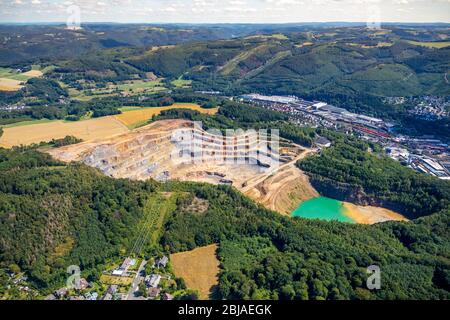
(181,83)
(276,36)
(9,73)
(436,45)
(87,95)
(378,45)
(86,130)
(304,44)
(138,86)
(138,117)
(26,123)
(126,88)
(199,268)
(10,84)
(10,80)
(131,108)
(33,74)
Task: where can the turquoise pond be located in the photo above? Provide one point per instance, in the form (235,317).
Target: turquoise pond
(322,208)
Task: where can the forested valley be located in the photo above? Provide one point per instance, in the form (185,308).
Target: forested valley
(53,215)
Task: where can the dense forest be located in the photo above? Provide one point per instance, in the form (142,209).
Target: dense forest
(352,68)
(353,170)
(53,216)
(40,44)
(266,256)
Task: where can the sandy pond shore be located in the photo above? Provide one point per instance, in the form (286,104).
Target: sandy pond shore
(370,215)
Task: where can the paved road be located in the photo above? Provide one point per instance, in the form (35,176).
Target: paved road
(136,281)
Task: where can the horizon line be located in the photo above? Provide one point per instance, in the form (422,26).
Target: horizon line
(230,23)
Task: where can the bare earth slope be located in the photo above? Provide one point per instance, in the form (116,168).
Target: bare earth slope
(371,215)
(283,191)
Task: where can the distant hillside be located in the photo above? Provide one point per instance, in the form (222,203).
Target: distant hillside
(336,61)
(25,44)
(350,66)
(335,64)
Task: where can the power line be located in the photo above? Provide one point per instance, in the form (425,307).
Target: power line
(143,231)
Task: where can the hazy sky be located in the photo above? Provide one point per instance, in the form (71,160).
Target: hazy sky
(192,11)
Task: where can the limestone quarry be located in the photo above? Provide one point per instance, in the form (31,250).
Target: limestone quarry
(179,150)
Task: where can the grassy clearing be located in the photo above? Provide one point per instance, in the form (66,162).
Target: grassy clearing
(199,268)
(26,123)
(436,45)
(43,70)
(278,57)
(125,88)
(181,83)
(126,109)
(139,85)
(156,209)
(138,117)
(277,36)
(11,80)
(159,213)
(231,65)
(9,73)
(85,95)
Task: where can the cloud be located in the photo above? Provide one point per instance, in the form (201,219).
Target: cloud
(226,10)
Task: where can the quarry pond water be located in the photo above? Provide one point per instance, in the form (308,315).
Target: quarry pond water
(322,208)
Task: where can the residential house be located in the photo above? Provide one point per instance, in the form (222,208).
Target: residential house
(61,293)
(167,296)
(154,292)
(91,296)
(153,280)
(323,142)
(83,284)
(162,262)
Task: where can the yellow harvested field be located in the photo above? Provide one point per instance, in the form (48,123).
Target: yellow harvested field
(199,268)
(33,73)
(10,84)
(112,280)
(304,44)
(87,130)
(437,45)
(136,117)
